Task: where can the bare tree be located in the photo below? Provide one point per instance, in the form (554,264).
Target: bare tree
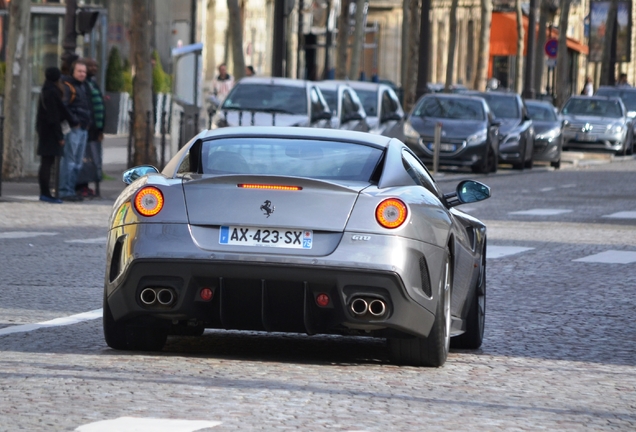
(358,40)
(562,72)
(406,25)
(519,59)
(16,90)
(142,84)
(414,53)
(235,27)
(484,45)
(450,65)
(539,53)
(341,42)
(607,65)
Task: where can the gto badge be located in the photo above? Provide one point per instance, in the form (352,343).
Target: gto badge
(357,237)
(268,208)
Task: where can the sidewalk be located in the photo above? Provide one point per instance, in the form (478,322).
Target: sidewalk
(115,154)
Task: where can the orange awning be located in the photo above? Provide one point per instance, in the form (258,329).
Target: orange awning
(503,36)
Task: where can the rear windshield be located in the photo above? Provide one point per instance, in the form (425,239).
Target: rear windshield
(541,113)
(502,106)
(268,98)
(369,99)
(593,107)
(450,108)
(328,160)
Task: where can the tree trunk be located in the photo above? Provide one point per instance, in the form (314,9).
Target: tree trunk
(484,46)
(406,25)
(17,90)
(539,54)
(452,42)
(341,42)
(414,55)
(145,152)
(210,41)
(562,70)
(236,29)
(519,58)
(607,65)
(358,40)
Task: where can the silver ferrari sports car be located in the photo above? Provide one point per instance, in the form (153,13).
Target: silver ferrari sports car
(296,230)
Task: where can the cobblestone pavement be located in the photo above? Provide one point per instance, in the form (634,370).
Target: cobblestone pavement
(559,350)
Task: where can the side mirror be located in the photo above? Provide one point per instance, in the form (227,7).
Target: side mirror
(133,174)
(468,191)
(321,115)
(495,123)
(352,116)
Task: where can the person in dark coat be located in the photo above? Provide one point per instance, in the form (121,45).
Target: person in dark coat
(50,115)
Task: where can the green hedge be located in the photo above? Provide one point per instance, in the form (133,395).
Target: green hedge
(114,72)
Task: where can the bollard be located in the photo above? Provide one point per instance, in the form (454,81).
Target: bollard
(131,129)
(163,139)
(181,130)
(436,146)
(147,143)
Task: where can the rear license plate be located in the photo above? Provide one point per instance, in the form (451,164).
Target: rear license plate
(585,137)
(269,237)
(443,147)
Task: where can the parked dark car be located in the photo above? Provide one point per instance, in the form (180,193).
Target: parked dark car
(382,105)
(469,131)
(548,132)
(348,112)
(273,102)
(597,123)
(516,140)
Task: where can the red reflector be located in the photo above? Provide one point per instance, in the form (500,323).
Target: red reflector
(206,294)
(270,187)
(322,300)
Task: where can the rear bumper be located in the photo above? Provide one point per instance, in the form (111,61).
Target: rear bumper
(256,291)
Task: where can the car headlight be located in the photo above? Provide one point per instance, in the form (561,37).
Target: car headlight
(409,132)
(512,138)
(615,128)
(477,138)
(549,135)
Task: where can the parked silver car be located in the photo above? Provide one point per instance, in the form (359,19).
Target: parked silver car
(273,102)
(345,106)
(385,115)
(597,122)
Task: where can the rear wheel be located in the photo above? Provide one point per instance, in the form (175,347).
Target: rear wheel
(556,164)
(133,335)
(433,350)
(114,332)
(488,164)
(476,318)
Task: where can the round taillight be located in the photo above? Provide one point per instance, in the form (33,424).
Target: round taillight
(391,213)
(149,201)
(206,294)
(322,300)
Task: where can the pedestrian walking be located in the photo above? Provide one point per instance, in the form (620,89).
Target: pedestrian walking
(588,88)
(223,83)
(91,170)
(51,113)
(77,100)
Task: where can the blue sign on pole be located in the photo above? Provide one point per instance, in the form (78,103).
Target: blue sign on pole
(551,48)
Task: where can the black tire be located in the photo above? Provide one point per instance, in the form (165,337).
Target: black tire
(186,330)
(431,351)
(487,164)
(114,332)
(132,335)
(473,337)
(630,150)
(556,164)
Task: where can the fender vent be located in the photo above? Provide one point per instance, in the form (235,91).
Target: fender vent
(426,280)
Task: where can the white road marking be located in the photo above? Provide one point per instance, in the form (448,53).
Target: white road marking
(568,186)
(98,240)
(24,234)
(134,424)
(25,197)
(73,319)
(493,252)
(610,257)
(548,189)
(541,212)
(622,215)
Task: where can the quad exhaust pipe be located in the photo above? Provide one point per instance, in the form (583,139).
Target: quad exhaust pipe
(163,296)
(375,307)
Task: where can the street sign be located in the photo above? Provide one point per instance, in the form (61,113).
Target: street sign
(551,62)
(551,48)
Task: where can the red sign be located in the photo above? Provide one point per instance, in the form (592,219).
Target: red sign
(551,48)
